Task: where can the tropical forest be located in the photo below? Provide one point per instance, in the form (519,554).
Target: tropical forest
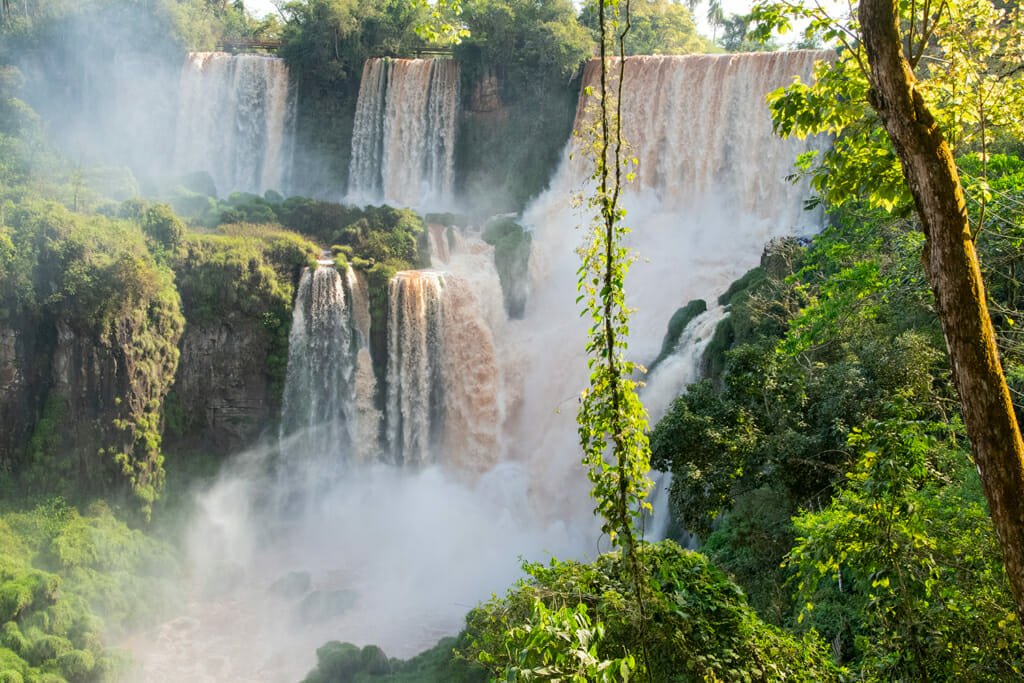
(460,341)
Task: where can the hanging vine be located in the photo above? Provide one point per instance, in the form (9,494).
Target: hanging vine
(612,421)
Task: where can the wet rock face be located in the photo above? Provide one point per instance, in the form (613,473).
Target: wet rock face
(10,377)
(486,94)
(85,397)
(223,394)
(23,382)
(12,394)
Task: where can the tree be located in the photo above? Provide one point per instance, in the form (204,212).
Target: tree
(930,76)
(952,267)
(657,27)
(716,17)
(527,43)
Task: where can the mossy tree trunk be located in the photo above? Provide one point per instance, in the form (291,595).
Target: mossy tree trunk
(952,268)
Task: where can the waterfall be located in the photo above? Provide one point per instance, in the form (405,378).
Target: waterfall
(235,121)
(443,377)
(414,303)
(682,368)
(403,138)
(329,389)
(711,190)
(468,388)
(699,127)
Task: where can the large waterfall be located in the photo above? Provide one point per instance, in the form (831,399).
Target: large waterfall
(235,121)
(699,127)
(710,193)
(414,371)
(403,141)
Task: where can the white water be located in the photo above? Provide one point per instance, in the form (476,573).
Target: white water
(403,141)
(421,545)
(710,193)
(235,121)
(414,371)
(683,366)
(329,390)
(680,369)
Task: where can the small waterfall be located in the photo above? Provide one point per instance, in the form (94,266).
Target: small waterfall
(326,391)
(668,381)
(403,139)
(364,391)
(473,391)
(414,382)
(235,121)
(444,380)
(683,367)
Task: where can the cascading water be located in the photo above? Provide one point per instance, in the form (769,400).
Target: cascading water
(414,382)
(710,192)
(408,549)
(680,369)
(235,121)
(699,127)
(325,395)
(444,380)
(403,139)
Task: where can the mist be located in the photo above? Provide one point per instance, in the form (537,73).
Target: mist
(104,80)
(286,555)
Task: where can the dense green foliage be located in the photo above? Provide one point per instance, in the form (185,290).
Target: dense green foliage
(531,44)
(372,235)
(68,581)
(243,268)
(346,663)
(902,568)
(966,59)
(328,40)
(698,626)
(657,27)
(824,462)
(90,281)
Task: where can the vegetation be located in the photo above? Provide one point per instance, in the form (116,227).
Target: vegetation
(346,663)
(657,27)
(829,403)
(696,625)
(577,622)
(519,67)
(892,83)
(70,580)
(325,45)
(824,462)
(512,258)
(90,282)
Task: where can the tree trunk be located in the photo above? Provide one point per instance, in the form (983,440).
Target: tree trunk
(952,269)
